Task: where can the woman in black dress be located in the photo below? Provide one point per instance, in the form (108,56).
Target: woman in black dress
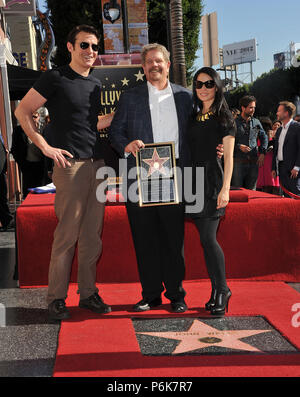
(212,123)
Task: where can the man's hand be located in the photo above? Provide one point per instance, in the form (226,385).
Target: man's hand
(134,147)
(220,150)
(273,173)
(58,156)
(104,121)
(294,174)
(244,148)
(261,160)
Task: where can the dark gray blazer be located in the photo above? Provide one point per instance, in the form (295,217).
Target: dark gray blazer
(291,147)
(132,120)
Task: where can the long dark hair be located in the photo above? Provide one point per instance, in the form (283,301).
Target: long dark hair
(219,106)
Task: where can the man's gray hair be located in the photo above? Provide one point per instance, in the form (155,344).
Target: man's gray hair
(157,47)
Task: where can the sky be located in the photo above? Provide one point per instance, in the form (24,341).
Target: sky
(273,23)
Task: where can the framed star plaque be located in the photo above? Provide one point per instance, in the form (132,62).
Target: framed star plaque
(156,173)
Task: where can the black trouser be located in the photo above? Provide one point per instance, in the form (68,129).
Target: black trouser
(33,173)
(291,184)
(158,234)
(213,253)
(245,173)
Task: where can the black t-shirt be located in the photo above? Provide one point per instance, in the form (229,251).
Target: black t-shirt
(74,103)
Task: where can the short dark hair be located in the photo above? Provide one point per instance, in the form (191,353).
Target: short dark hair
(81,28)
(246,100)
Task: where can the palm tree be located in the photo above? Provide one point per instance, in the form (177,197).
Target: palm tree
(177,42)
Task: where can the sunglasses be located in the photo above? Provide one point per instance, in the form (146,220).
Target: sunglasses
(84,45)
(208,84)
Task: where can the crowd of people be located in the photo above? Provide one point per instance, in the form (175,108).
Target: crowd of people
(234,148)
(256,156)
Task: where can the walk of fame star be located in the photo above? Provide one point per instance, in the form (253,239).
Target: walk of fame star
(156,163)
(201,335)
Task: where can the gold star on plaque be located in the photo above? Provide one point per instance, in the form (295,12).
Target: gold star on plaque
(113,86)
(201,335)
(125,81)
(156,163)
(139,76)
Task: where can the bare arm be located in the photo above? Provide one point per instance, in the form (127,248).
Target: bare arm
(223,197)
(29,104)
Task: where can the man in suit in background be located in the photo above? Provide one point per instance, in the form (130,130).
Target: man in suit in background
(155,112)
(287,149)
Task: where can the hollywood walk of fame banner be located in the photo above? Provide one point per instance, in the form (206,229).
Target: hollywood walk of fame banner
(156,172)
(115,79)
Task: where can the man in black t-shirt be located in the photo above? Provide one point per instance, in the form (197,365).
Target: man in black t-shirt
(73,101)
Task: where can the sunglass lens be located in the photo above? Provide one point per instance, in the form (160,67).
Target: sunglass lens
(209,84)
(84,45)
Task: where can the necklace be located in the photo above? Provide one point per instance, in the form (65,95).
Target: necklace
(204,117)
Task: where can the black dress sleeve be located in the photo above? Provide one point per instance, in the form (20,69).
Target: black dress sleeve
(224,131)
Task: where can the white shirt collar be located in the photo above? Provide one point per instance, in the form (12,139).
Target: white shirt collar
(154,90)
(287,124)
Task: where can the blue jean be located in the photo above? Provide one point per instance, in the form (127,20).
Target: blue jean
(244,174)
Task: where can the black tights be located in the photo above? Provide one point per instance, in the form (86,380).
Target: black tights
(213,253)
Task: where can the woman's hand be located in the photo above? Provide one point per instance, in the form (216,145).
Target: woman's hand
(223,198)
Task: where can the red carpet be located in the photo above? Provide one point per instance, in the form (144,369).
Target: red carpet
(106,346)
(259,235)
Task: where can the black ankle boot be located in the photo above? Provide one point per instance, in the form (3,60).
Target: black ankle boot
(210,304)
(221,303)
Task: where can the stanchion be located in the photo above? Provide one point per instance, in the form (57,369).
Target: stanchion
(292,195)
